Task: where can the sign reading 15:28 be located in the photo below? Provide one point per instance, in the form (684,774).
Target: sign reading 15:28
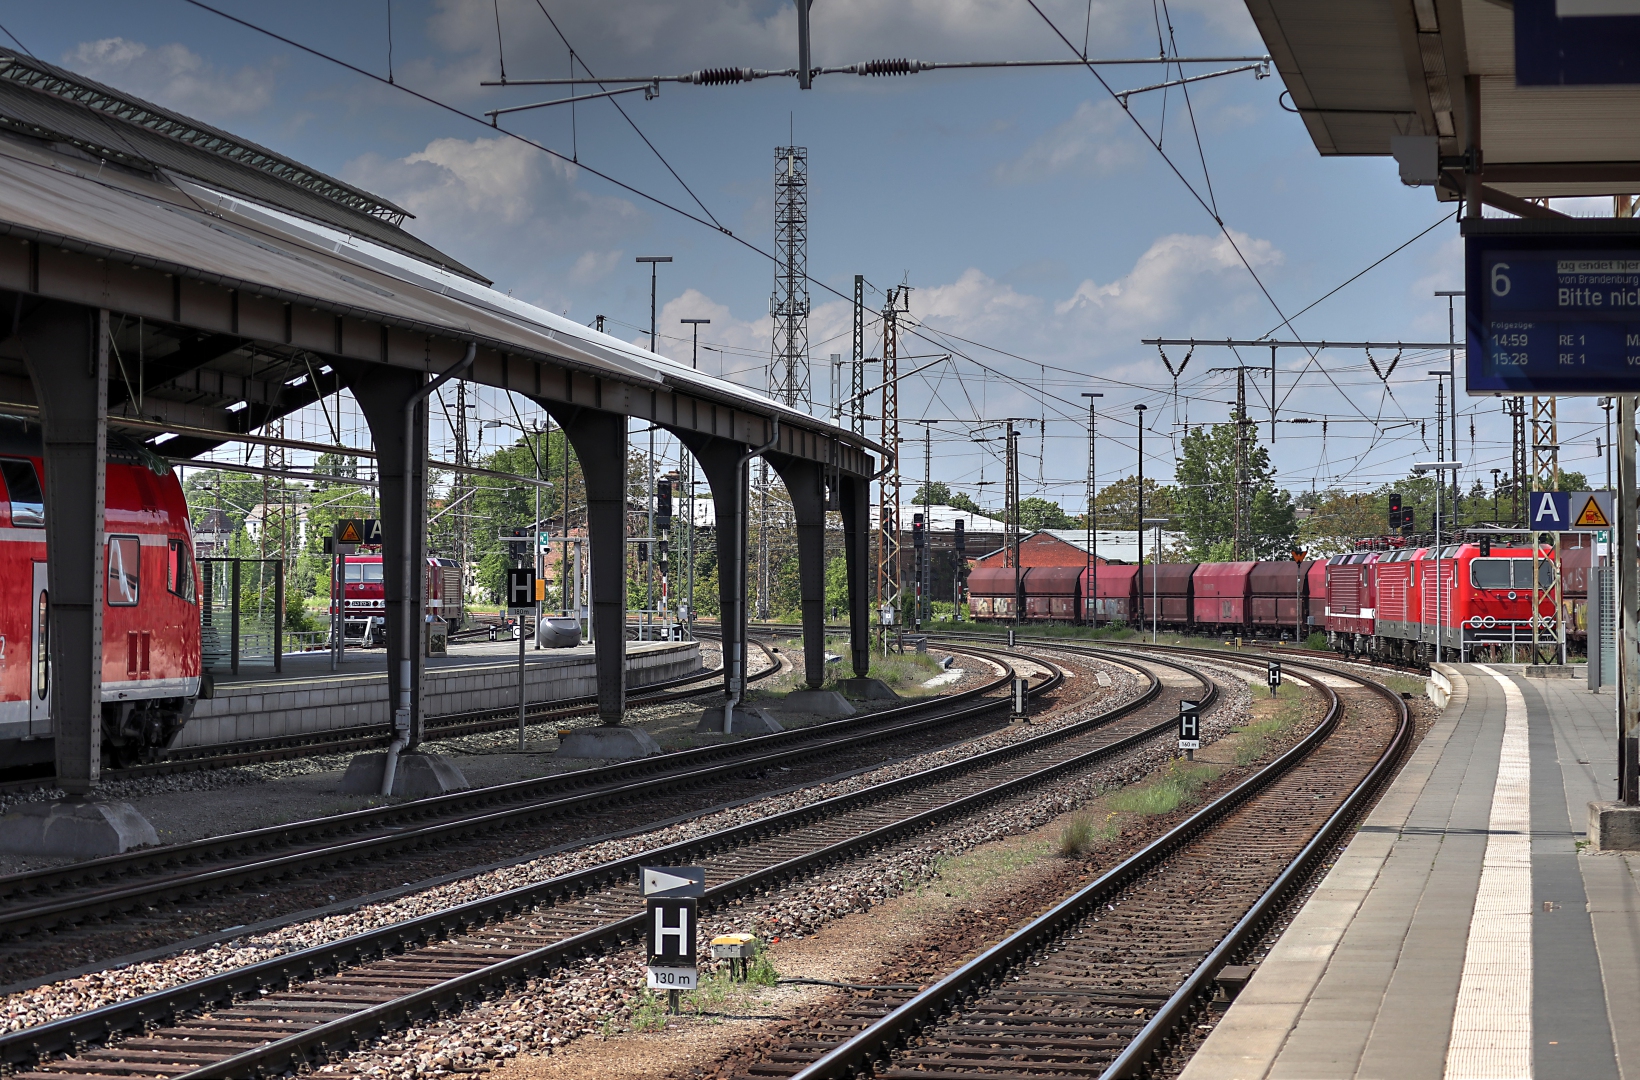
(1552,312)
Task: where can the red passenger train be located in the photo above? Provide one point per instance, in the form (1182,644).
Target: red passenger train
(150,617)
(1391,604)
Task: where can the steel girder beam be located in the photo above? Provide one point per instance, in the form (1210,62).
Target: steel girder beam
(65,348)
(599,440)
(806,484)
(402,472)
(184,297)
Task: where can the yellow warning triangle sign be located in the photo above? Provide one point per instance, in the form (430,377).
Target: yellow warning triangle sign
(1591,516)
(350,532)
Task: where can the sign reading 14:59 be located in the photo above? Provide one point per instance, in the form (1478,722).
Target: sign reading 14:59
(1552,311)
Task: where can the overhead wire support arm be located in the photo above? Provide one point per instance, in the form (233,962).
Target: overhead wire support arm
(1268,343)
(651,91)
(1260,70)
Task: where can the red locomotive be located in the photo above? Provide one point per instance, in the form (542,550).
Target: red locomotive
(364,599)
(151,657)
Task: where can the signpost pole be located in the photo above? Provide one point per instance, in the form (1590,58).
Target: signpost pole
(1624,563)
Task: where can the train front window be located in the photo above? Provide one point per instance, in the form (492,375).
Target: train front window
(28,505)
(124,570)
(1490,573)
(364,573)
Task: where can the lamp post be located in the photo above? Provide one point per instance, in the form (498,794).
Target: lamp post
(689,492)
(1093,536)
(1437,467)
(1155,574)
(649,495)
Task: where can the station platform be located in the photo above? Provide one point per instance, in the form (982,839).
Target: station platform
(307,696)
(1467,930)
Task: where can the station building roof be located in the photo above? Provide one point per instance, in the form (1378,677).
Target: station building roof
(1361,72)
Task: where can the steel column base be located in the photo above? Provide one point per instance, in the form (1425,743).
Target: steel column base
(606,742)
(417,776)
(74,827)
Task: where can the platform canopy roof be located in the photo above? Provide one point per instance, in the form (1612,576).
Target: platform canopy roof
(236,276)
(1363,71)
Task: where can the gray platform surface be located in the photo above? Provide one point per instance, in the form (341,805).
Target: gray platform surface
(1367,980)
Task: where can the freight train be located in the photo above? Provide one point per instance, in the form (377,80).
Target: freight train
(1389,603)
(150,616)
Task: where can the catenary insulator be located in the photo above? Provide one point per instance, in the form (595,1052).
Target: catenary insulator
(720,76)
(901,66)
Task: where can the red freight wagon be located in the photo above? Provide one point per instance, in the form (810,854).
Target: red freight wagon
(991,591)
(1315,592)
(1275,593)
(150,611)
(1576,553)
(1220,600)
(1053,593)
(1113,597)
(1170,587)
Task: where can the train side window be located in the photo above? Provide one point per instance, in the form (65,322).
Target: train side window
(124,570)
(28,505)
(179,570)
(1490,573)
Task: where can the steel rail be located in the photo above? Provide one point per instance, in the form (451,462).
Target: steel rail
(857,1055)
(393,828)
(1197,988)
(20,1048)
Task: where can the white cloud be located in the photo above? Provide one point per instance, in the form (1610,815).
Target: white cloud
(504,208)
(1096,139)
(1175,272)
(174,76)
(594,265)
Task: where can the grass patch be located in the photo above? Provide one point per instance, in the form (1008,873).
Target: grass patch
(1084,832)
(1316,641)
(1404,684)
(1181,784)
(1256,738)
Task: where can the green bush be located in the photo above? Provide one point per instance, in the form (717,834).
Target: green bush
(1317,640)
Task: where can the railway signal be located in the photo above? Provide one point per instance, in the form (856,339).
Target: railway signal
(1273,675)
(670,896)
(1190,727)
(1397,518)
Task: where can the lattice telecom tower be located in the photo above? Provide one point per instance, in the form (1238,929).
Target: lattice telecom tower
(789,306)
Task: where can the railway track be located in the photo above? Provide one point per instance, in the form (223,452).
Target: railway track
(373,737)
(295,1009)
(133,882)
(1109,981)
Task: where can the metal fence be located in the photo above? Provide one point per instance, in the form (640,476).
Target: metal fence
(242,614)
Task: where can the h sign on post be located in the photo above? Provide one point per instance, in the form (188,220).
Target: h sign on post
(520,590)
(670,894)
(1190,725)
(1273,674)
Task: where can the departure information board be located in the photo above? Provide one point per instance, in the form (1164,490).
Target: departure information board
(1552,312)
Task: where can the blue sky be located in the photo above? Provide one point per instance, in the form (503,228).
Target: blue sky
(1023,208)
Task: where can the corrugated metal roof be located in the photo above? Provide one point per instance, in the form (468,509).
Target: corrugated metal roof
(51,103)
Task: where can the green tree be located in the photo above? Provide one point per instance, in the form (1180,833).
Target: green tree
(938,493)
(1038,513)
(960,501)
(1117,503)
(1207,495)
